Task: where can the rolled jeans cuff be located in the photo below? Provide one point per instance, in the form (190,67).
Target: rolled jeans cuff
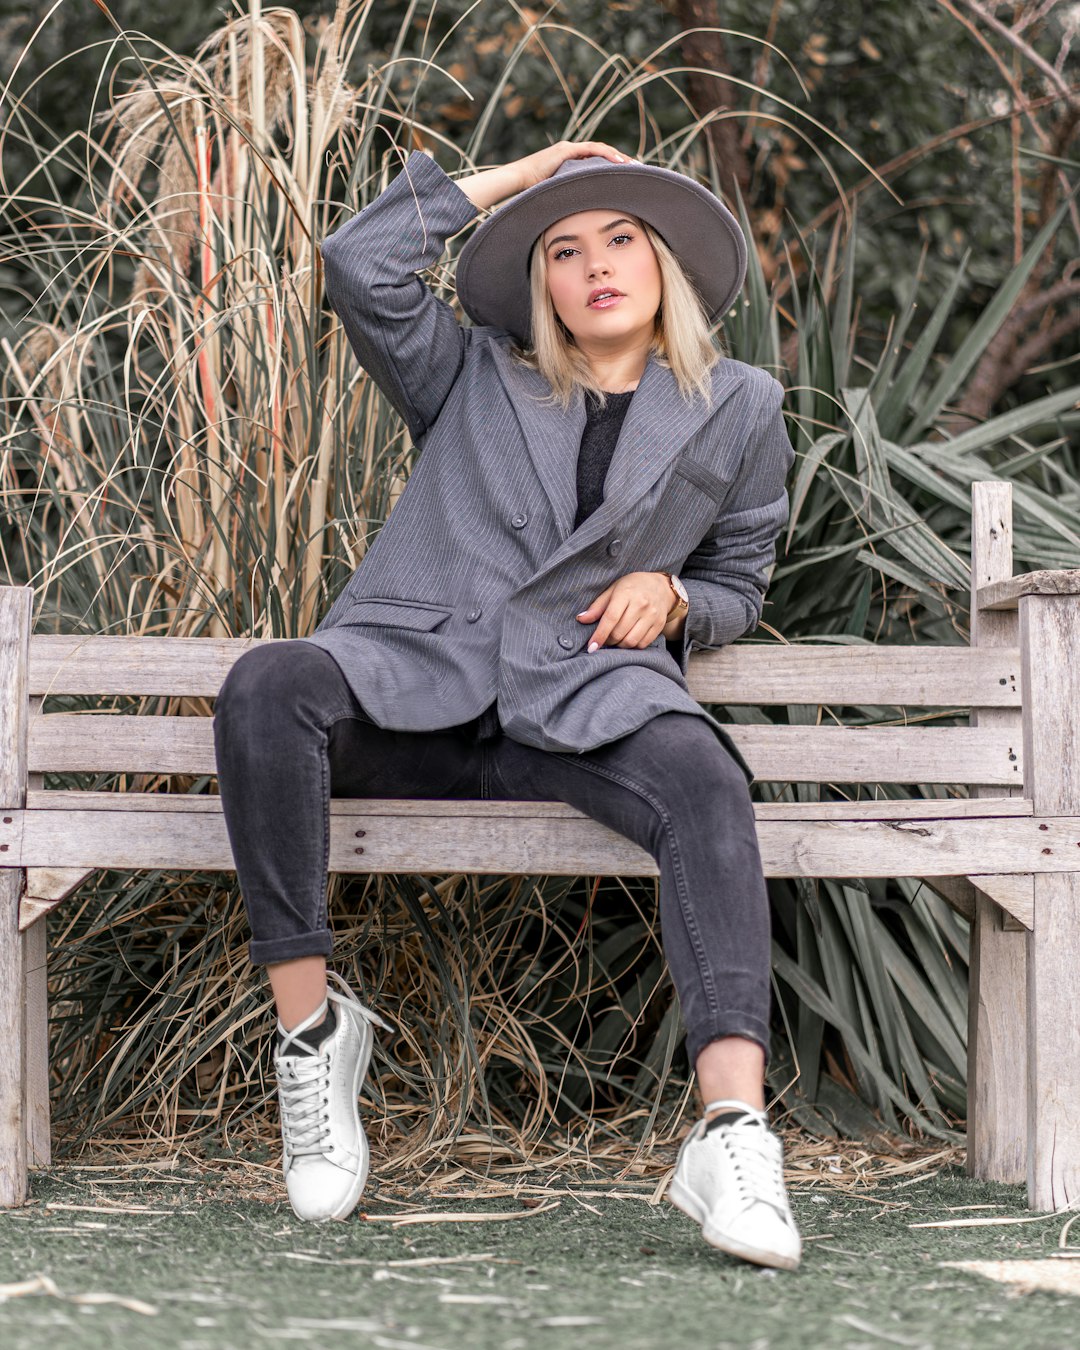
(734,1023)
(318,943)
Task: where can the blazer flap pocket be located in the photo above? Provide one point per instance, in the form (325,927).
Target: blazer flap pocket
(416,614)
(702,477)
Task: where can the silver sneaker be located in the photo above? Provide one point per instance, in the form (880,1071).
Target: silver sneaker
(731,1181)
(324,1149)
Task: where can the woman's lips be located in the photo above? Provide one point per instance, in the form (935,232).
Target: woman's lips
(607,302)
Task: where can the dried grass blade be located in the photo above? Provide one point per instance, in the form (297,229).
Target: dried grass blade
(983,1221)
(400,1220)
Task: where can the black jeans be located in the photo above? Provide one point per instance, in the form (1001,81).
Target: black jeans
(290,734)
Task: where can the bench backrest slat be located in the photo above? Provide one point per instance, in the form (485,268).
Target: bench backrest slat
(907,676)
(76,742)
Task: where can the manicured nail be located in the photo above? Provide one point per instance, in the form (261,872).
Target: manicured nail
(583,613)
(593,646)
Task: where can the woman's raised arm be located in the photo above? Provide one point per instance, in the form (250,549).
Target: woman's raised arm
(408,341)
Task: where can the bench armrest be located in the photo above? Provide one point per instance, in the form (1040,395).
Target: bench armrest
(1006,594)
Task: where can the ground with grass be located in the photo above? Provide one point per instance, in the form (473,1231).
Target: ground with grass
(210,1256)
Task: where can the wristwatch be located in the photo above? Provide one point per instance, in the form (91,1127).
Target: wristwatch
(682,600)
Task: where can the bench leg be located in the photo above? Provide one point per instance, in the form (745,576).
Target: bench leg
(36,983)
(997,973)
(13,1178)
(1050,652)
(36,980)
(1053,1068)
(997,1048)
(15,605)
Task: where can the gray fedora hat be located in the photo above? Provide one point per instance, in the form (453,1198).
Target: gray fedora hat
(493,267)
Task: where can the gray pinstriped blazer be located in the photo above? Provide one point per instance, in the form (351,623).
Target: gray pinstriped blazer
(470,589)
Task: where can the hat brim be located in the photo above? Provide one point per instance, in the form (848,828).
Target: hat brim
(492,269)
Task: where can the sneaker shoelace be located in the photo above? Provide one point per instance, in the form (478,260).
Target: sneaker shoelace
(304,1092)
(757,1162)
(304,1083)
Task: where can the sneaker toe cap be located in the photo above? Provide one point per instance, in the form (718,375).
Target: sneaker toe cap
(759,1234)
(319,1191)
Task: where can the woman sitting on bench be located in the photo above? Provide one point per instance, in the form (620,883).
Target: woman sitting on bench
(519,629)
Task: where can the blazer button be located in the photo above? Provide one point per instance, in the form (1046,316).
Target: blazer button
(564,641)
(473,615)
(615,547)
(519,520)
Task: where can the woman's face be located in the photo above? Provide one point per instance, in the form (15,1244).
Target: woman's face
(595,251)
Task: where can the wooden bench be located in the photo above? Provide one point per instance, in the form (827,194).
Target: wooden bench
(1005,849)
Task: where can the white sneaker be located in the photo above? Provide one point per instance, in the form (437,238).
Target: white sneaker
(731,1181)
(324,1149)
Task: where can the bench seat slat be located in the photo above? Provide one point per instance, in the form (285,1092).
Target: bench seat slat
(412,841)
(76,742)
(748,673)
(904,808)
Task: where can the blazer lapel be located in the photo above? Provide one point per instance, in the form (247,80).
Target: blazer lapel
(553,437)
(658,424)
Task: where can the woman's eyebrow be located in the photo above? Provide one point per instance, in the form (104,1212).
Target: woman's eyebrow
(560,238)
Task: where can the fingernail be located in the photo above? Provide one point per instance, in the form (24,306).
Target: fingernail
(593,646)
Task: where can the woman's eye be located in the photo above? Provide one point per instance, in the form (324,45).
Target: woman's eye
(559,253)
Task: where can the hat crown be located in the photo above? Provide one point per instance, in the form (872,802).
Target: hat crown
(569,166)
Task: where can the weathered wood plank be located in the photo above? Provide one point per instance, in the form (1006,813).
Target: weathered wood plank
(1013,904)
(46,885)
(570,847)
(38,1114)
(1005,594)
(747,673)
(997,969)
(1050,641)
(1015,895)
(196,667)
(402,809)
(1053,1027)
(957,891)
(36,1003)
(32,911)
(75,743)
(917,676)
(15,612)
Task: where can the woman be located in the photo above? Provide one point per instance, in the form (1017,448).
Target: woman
(518,629)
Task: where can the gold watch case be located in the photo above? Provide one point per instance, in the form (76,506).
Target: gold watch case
(682,600)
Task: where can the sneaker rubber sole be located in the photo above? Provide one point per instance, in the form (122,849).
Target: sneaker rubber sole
(685,1200)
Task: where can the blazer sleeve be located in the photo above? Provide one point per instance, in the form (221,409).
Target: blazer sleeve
(727,575)
(407,340)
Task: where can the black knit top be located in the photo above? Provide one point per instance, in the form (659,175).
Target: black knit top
(602,427)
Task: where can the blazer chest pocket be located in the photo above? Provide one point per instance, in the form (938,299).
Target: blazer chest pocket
(704,478)
(415,614)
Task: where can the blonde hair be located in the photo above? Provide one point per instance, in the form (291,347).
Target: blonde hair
(681,340)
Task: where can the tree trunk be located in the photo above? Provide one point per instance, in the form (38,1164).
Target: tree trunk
(712,92)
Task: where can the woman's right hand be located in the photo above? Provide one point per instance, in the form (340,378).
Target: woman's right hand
(533,169)
(491,186)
